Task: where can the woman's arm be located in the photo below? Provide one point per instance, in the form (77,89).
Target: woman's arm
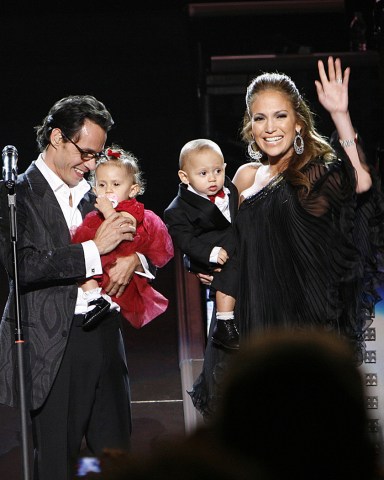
(332,91)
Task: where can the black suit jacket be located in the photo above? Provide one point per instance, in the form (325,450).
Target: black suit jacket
(196,225)
(49,267)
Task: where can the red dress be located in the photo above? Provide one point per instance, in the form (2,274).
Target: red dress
(140,303)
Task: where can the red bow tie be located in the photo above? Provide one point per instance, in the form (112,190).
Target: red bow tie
(220,194)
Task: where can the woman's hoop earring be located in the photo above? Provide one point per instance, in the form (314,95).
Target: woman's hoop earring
(254,154)
(298,144)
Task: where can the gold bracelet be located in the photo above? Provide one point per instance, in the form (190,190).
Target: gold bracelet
(349,142)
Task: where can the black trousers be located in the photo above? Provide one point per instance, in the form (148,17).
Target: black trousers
(90,398)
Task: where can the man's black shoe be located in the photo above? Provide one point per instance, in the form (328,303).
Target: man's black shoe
(226,334)
(94,316)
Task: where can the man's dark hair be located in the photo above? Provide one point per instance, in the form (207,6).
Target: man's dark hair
(69,114)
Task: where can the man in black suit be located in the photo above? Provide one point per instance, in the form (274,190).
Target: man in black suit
(77,380)
(199,221)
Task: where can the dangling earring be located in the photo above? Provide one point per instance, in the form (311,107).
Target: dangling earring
(298,144)
(254,154)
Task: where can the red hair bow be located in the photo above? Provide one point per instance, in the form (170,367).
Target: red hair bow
(111,153)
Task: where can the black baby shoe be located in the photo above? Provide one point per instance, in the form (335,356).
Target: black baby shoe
(94,316)
(225,334)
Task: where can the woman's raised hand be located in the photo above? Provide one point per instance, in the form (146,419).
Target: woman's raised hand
(332,88)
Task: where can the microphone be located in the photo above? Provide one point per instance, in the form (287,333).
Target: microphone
(10,157)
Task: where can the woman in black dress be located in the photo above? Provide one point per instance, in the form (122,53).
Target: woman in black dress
(310,224)
(313,255)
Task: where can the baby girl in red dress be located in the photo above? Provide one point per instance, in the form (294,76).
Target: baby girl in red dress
(117,182)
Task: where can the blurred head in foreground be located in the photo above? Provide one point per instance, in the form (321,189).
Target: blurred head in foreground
(295,403)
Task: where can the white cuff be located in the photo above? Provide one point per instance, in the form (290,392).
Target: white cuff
(214,254)
(144,264)
(92,259)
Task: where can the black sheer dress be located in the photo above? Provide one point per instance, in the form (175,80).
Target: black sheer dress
(306,261)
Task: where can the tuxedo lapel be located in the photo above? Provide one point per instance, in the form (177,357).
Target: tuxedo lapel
(207,209)
(45,202)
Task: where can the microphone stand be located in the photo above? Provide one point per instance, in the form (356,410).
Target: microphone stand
(19,338)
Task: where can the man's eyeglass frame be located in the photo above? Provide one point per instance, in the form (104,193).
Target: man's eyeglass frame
(85,155)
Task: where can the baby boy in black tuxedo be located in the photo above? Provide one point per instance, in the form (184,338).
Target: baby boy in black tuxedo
(199,221)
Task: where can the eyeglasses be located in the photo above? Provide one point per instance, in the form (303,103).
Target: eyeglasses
(84,154)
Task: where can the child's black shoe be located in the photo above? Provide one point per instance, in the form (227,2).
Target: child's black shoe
(94,316)
(226,334)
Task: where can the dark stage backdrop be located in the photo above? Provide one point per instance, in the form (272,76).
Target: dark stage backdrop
(136,60)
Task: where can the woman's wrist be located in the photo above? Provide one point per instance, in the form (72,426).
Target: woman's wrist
(348,142)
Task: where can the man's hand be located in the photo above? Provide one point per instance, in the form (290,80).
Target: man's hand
(121,273)
(130,218)
(204,278)
(222,256)
(112,231)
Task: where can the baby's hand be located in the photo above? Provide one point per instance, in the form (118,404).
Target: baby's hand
(222,257)
(112,197)
(105,206)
